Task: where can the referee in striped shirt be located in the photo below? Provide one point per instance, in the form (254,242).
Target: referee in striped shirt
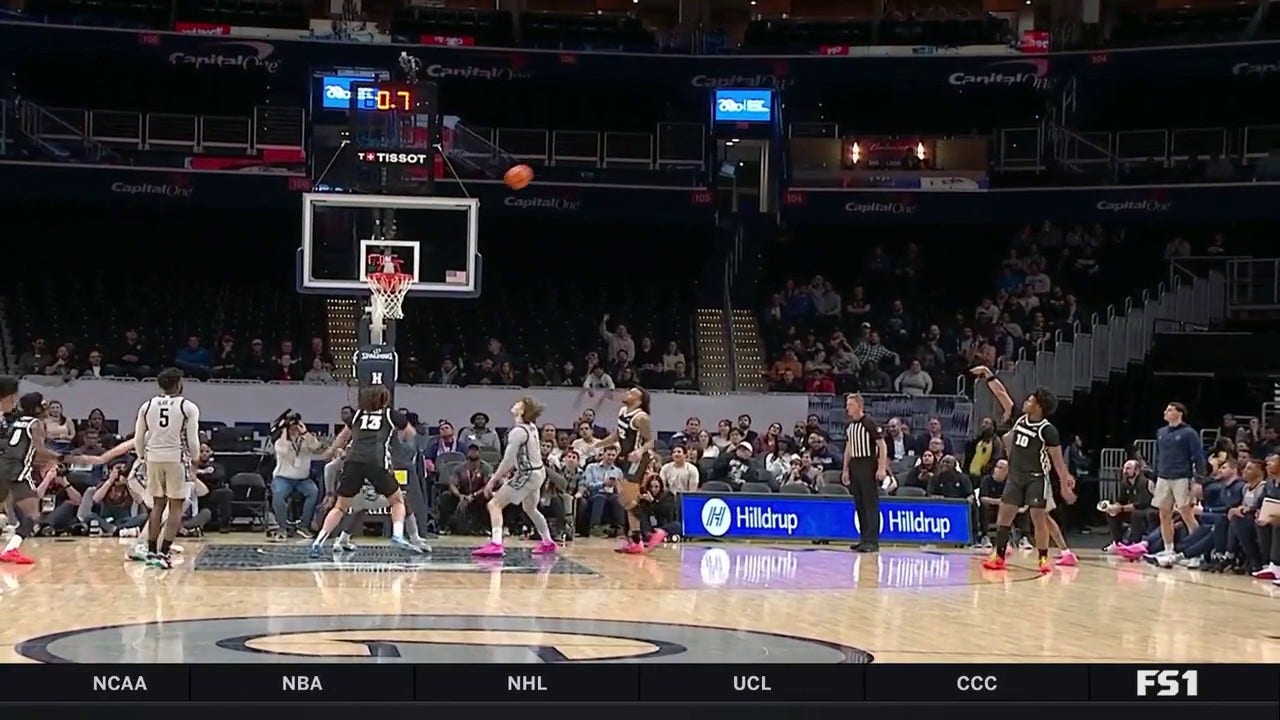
(866,464)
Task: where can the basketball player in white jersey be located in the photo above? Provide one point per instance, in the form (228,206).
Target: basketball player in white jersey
(166,436)
(524,473)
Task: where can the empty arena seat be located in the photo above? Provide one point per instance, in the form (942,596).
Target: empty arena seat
(796,489)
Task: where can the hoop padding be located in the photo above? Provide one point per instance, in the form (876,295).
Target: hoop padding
(388,291)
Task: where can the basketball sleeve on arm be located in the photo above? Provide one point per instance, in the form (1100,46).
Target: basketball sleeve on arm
(515,445)
(193,428)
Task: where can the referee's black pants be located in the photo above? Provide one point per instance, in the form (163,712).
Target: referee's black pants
(866,499)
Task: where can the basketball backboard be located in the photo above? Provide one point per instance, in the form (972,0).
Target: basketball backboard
(434,239)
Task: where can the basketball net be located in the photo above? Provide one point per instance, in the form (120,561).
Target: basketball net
(387,289)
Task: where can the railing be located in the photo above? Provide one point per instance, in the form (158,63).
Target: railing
(1253,283)
(41,125)
(1123,334)
(672,146)
(1022,148)
(268,128)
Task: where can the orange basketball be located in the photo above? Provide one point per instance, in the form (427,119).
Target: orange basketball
(518,177)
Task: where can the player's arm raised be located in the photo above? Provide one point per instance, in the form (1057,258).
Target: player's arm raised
(1001,393)
(1053,446)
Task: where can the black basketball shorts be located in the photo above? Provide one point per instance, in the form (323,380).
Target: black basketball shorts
(355,474)
(1027,491)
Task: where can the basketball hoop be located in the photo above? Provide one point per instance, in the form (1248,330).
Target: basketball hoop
(388,288)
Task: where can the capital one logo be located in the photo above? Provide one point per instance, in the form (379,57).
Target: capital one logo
(1168,683)
(162,190)
(1245,68)
(880,208)
(242,55)
(542,203)
(716,518)
(1151,206)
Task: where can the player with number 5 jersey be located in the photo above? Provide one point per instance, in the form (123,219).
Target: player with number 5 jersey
(166,436)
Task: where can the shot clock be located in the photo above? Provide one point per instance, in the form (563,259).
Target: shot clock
(392,120)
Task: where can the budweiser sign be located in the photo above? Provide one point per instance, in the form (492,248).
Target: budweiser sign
(1035,42)
(202,28)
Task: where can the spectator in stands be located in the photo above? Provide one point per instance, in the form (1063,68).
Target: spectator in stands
(914,381)
(744,428)
(571,470)
(480,434)
(598,494)
(933,431)
(96,423)
(226,359)
(1269,530)
(1242,519)
(692,426)
(983,450)
(672,357)
(824,456)
(899,442)
(735,467)
(447,374)
(706,446)
(787,363)
(922,474)
(257,365)
(774,431)
(320,352)
(35,360)
(295,449)
(93,367)
(445,441)
(780,459)
(319,373)
(286,369)
(820,383)
(1224,449)
(219,496)
(585,443)
(56,492)
(874,379)
(949,482)
(462,508)
(871,351)
(507,375)
(805,471)
(57,427)
(656,507)
(194,360)
(617,341)
(64,364)
(1132,505)
(598,380)
(131,357)
(113,502)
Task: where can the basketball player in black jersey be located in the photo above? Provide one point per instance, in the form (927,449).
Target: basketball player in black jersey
(1034,448)
(23,463)
(367,440)
(635,437)
(1004,430)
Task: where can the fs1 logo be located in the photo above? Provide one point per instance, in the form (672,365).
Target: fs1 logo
(1168,683)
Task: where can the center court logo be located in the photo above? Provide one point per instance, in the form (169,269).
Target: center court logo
(429,639)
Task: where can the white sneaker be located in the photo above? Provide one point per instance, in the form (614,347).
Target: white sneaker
(1025,544)
(1167,559)
(1111,547)
(138,552)
(1187,562)
(129,533)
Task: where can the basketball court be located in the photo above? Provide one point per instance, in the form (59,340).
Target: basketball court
(238,599)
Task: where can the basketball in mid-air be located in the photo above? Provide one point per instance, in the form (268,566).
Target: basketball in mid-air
(518,177)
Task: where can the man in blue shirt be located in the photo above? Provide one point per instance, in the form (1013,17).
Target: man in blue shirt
(1179,456)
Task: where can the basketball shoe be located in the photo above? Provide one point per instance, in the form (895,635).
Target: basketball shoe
(995,562)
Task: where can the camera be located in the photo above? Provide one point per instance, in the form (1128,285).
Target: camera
(285,420)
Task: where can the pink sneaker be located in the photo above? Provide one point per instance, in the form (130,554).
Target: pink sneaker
(1133,552)
(1270,572)
(1119,548)
(1067,559)
(632,548)
(492,549)
(546,547)
(656,537)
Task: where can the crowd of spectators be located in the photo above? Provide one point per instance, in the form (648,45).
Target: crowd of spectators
(621,361)
(879,334)
(1232,530)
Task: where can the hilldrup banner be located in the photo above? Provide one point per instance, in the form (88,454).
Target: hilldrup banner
(292,60)
(772,516)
